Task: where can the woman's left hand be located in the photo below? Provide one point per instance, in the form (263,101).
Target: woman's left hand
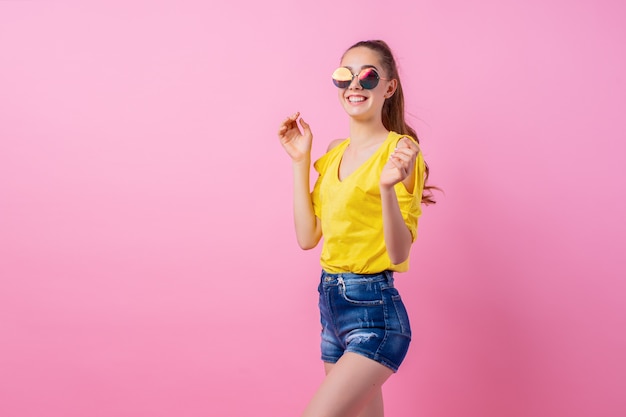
(401,163)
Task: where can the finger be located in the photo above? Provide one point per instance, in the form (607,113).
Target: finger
(404,162)
(393,161)
(289,124)
(283,129)
(398,165)
(305,126)
(409,143)
(409,153)
(285,124)
(404,142)
(292,118)
(404,154)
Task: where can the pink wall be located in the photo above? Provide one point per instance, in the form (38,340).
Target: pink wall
(147,259)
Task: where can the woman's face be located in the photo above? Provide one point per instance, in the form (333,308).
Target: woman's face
(358,102)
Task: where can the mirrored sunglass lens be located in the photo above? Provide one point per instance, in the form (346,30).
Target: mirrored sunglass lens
(342,77)
(341,84)
(368,78)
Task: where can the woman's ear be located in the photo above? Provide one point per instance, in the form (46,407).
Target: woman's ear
(391,88)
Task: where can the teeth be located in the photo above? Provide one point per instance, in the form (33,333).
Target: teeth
(352,99)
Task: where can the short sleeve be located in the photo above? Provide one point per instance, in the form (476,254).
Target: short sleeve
(320,167)
(411,203)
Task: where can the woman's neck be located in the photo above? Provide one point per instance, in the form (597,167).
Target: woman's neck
(364,134)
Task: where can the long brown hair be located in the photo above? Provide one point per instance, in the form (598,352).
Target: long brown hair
(393,108)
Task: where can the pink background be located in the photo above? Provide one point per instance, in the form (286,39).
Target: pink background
(147,257)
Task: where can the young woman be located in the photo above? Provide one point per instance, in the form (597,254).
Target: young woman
(366,202)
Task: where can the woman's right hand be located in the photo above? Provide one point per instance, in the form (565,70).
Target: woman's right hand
(296,143)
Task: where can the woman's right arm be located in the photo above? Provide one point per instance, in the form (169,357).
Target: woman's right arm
(298,147)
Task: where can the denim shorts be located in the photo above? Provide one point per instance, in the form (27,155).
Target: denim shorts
(363,314)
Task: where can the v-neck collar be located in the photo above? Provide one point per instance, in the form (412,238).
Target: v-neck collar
(360,167)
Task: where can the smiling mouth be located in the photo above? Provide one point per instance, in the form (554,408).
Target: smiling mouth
(356,99)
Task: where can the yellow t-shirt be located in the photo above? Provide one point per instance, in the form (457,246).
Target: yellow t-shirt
(351,211)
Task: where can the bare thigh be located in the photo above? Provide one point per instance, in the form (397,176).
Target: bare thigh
(351,386)
(375,406)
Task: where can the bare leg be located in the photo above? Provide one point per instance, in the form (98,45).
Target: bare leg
(353,386)
(375,407)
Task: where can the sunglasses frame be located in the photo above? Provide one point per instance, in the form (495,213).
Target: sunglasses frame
(349,82)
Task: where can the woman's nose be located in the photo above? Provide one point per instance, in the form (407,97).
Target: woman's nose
(355,84)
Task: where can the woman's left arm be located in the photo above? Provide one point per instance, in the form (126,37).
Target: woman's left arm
(399,168)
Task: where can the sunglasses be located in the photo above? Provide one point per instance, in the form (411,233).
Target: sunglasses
(368,77)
